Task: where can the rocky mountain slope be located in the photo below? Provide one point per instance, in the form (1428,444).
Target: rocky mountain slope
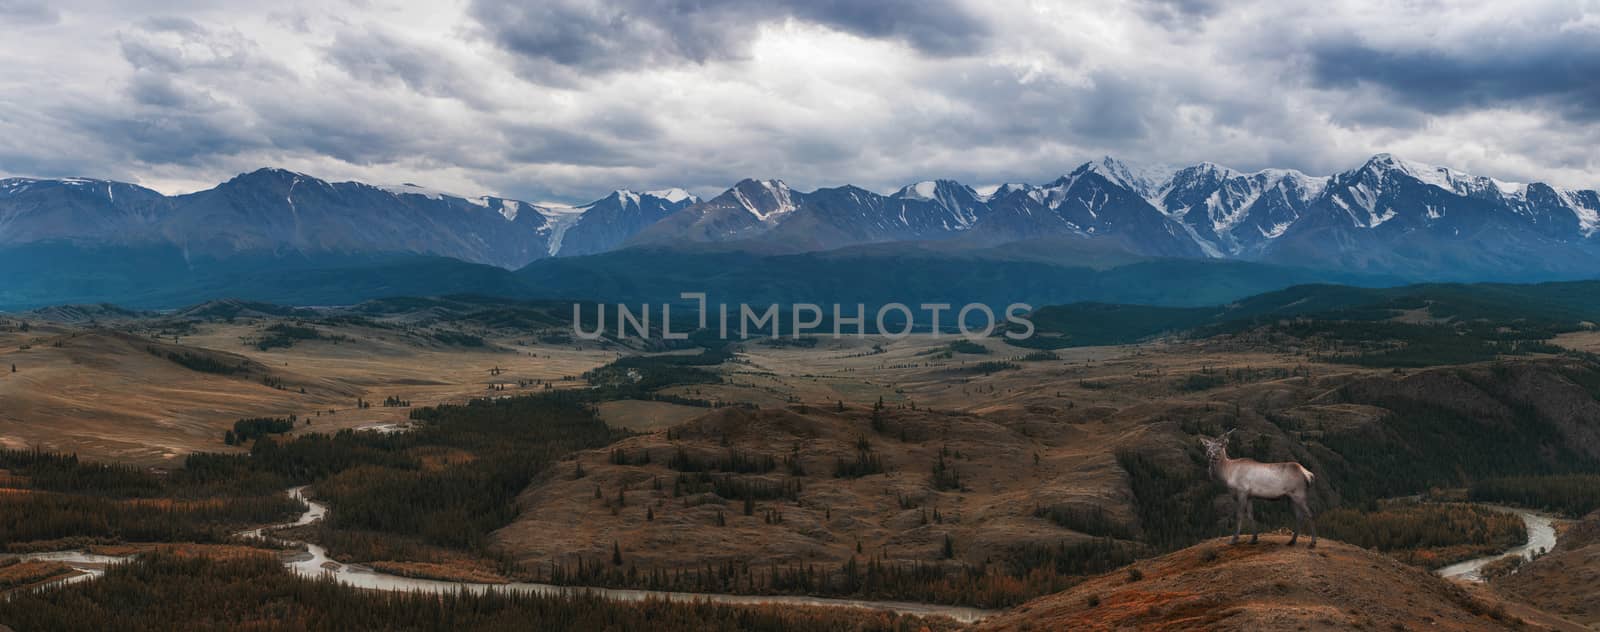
(275,211)
(1388,216)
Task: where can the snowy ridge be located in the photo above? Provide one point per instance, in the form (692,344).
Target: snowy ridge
(673,195)
(415,189)
(958,202)
(1205,209)
(1146,180)
(1450,179)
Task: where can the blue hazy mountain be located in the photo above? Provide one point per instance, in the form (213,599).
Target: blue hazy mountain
(1387,219)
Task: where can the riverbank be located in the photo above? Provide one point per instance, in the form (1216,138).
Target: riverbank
(1541,539)
(312,561)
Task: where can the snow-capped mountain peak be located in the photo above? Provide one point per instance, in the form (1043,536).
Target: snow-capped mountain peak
(924,190)
(626,197)
(767,200)
(1146,180)
(1457,182)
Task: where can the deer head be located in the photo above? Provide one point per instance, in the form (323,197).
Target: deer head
(1216,448)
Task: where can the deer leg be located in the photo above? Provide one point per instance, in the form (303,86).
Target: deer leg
(1255,527)
(1302,508)
(1296,537)
(1238,522)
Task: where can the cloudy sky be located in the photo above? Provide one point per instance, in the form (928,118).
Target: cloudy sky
(568,99)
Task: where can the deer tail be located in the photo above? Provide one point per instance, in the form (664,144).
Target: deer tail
(1306,473)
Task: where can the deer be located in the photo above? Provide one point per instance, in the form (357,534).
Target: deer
(1248,479)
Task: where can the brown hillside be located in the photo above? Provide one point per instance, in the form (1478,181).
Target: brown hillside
(1268,586)
(1567,581)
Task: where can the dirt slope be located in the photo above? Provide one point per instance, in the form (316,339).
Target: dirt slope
(1268,586)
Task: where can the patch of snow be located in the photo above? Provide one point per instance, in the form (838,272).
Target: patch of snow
(1276,231)
(1308,186)
(1224,216)
(673,195)
(1588,218)
(920,191)
(413,189)
(558,219)
(1437,176)
(1366,200)
(779,192)
(987,193)
(1510,189)
(1387,215)
(626,197)
(509,209)
(1210,249)
(1460,183)
(1148,180)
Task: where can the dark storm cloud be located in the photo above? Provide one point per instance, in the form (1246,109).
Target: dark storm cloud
(1178,13)
(572,98)
(377,56)
(591,35)
(165,135)
(1543,66)
(28,12)
(552,145)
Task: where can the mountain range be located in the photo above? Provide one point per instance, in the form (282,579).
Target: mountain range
(276,211)
(1388,218)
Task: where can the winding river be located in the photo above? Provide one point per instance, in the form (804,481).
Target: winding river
(314,562)
(1541,537)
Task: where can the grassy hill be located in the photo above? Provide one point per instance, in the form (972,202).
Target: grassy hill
(1483,312)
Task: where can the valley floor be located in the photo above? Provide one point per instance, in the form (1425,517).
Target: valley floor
(915,470)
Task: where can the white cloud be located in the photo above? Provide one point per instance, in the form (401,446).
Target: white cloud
(180,97)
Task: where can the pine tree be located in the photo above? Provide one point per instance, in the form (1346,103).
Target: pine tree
(616,553)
